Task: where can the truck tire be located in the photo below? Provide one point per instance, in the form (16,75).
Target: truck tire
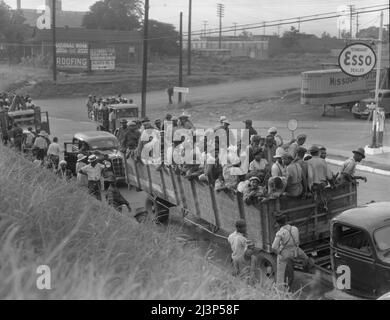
(267,268)
(156,212)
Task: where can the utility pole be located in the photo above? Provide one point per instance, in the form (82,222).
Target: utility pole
(263,28)
(205,27)
(378,79)
(53,29)
(351,7)
(189,37)
(279,29)
(357,25)
(220,14)
(235,29)
(145,59)
(181,56)
(299,24)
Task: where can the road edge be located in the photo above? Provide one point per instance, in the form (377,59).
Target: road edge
(361,168)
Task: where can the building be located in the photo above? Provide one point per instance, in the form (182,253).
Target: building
(125,47)
(70,19)
(237,47)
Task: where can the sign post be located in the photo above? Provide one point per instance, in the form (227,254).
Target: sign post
(292,126)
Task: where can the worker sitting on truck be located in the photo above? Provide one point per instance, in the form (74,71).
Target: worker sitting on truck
(299,159)
(274,132)
(270,149)
(286,245)
(254,147)
(276,187)
(318,171)
(348,170)
(278,169)
(249,126)
(132,139)
(259,163)
(254,192)
(292,149)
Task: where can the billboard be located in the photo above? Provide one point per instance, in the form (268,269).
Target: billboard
(72,55)
(103,58)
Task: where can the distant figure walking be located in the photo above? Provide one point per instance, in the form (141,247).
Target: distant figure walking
(170,92)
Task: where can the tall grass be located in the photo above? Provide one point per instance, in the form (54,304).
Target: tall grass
(92,251)
(11,75)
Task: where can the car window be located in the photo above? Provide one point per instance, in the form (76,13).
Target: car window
(127,113)
(382,238)
(104,144)
(351,238)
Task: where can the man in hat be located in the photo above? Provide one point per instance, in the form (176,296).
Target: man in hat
(301,152)
(294,175)
(274,132)
(41,146)
(249,126)
(122,135)
(29,138)
(158,124)
(229,137)
(254,192)
(286,245)
(278,169)
(94,173)
(82,161)
(133,137)
(63,172)
(301,139)
(114,197)
(318,171)
(53,153)
(348,170)
(184,122)
(255,146)
(259,163)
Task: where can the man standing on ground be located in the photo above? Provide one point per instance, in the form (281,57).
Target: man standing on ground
(115,198)
(41,145)
(237,241)
(53,153)
(94,173)
(249,126)
(170,92)
(17,135)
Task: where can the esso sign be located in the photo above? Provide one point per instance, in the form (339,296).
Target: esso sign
(357,60)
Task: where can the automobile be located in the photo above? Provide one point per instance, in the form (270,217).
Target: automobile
(100,143)
(362,109)
(127,111)
(360,242)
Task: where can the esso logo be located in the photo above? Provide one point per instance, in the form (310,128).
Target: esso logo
(357,60)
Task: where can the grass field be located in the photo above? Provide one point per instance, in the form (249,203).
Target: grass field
(93,252)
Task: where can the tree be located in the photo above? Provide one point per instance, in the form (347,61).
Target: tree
(163,37)
(325,35)
(290,40)
(373,33)
(114,15)
(12,27)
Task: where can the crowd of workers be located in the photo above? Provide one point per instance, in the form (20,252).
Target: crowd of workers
(7,100)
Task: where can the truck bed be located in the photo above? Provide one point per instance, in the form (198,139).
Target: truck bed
(221,210)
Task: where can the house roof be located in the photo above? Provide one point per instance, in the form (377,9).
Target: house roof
(87,35)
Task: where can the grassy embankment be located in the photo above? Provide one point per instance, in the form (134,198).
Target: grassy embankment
(93,252)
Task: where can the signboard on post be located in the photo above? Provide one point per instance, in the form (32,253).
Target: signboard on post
(181,90)
(72,55)
(103,58)
(357,59)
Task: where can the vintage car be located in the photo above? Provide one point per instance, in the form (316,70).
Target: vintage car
(122,111)
(361,110)
(103,144)
(360,243)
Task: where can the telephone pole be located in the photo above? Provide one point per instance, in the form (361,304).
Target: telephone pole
(357,25)
(299,24)
(205,27)
(54,40)
(351,9)
(235,28)
(263,28)
(145,59)
(189,37)
(181,56)
(220,14)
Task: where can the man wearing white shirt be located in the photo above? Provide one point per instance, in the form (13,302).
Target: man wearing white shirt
(53,153)
(94,173)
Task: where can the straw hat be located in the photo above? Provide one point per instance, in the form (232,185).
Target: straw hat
(81,157)
(279,153)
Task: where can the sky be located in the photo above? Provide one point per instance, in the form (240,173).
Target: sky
(243,12)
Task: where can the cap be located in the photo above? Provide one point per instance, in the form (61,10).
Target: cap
(185,115)
(63,162)
(92,158)
(222,119)
(146,119)
(81,157)
(248,121)
(279,153)
(225,122)
(255,178)
(314,149)
(124,121)
(132,124)
(272,130)
(287,155)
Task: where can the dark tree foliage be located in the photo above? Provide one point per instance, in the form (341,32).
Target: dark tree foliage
(114,15)
(12,27)
(163,38)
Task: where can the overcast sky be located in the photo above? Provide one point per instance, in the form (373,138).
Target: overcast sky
(242,12)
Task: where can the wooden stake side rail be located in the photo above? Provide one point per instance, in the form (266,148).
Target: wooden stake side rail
(222,210)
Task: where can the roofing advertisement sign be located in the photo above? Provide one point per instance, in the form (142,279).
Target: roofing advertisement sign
(103,59)
(72,55)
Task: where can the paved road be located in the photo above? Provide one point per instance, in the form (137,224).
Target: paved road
(260,88)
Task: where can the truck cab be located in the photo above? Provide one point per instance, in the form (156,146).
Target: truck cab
(360,244)
(103,144)
(120,111)
(361,110)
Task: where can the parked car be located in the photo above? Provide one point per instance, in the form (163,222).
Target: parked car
(103,144)
(361,110)
(360,240)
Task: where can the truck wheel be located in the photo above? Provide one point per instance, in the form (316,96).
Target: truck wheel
(156,212)
(265,268)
